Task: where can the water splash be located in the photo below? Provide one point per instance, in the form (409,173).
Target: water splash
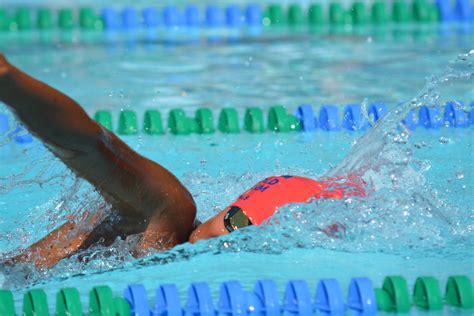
(403,214)
(381,143)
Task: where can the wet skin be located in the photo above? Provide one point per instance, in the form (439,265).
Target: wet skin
(147,197)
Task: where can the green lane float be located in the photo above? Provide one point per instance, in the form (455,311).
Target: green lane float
(359,16)
(316,15)
(420,10)
(7,307)
(35,303)
(104,118)
(152,123)
(427,294)
(4,20)
(336,14)
(65,19)
(379,13)
(280,121)
(400,11)
(68,303)
(128,123)
(103,303)
(205,121)
(44,20)
(122,307)
(88,19)
(459,292)
(394,295)
(296,15)
(275,15)
(180,124)
(23,19)
(253,121)
(229,121)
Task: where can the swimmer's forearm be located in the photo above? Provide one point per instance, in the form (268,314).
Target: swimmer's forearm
(58,244)
(46,112)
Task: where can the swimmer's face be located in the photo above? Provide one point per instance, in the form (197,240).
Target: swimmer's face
(213,227)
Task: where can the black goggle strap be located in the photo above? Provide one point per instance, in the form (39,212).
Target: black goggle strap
(235,218)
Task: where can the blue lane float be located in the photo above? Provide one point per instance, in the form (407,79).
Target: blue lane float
(171,16)
(232,299)
(136,296)
(306,116)
(130,18)
(253,15)
(167,301)
(265,299)
(454,115)
(213,16)
(446,13)
(329,300)
(297,299)
(150,17)
(471,114)
(430,117)
(192,16)
(377,110)
(463,10)
(361,297)
(111,19)
(329,118)
(411,120)
(233,16)
(353,120)
(200,300)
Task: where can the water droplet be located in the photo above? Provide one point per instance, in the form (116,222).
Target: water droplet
(444,140)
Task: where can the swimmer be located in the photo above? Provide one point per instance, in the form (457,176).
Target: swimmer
(147,198)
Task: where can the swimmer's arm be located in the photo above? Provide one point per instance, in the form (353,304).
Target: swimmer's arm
(135,186)
(59,244)
(52,116)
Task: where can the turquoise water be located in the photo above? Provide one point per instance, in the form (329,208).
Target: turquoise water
(418,222)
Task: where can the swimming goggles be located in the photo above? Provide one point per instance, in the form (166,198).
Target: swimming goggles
(235,218)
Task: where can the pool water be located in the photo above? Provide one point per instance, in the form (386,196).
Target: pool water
(417,222)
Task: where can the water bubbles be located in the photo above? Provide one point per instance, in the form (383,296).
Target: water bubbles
(420,145)
(444,140)
(460,175)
